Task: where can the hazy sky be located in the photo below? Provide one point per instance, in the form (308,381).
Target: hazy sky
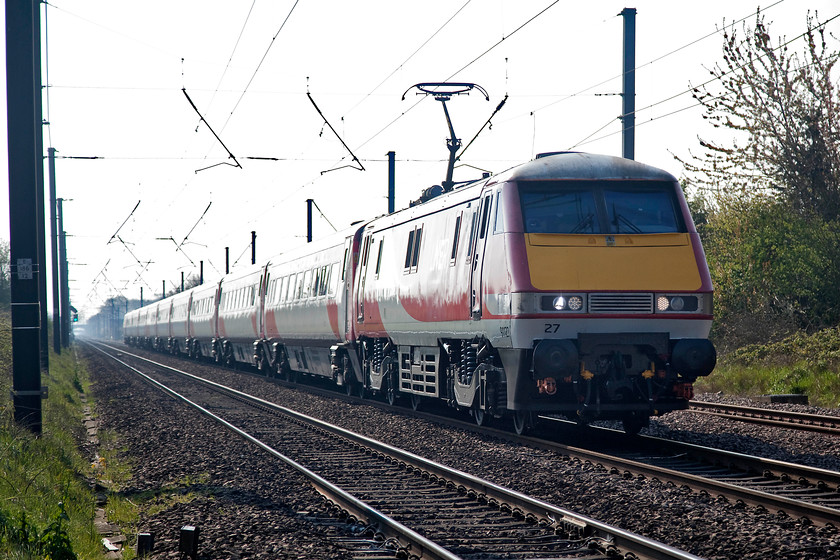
(116,72)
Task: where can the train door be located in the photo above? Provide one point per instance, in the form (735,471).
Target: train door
(344,305)
(479,237)
(360,293)
(260,303)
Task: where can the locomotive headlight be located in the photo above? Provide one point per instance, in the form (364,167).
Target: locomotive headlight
(571,303)
(684,303)
(574,303)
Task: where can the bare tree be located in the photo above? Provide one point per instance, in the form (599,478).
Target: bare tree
(784,109)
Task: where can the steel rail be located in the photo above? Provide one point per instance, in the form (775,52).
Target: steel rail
(417,544)
(815,512)
(767,416)
(524,505)
(769,467)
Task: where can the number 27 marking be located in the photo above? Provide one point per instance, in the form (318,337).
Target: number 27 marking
(552,327)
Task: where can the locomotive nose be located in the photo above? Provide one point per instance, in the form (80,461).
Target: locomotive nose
(555,358)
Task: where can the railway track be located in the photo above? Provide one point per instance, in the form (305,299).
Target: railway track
(770,417)
(451,514)
(798,491)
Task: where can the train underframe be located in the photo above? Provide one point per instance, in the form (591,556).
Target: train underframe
(595,377)
(625,377)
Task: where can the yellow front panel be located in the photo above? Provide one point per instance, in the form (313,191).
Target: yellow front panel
(658,262)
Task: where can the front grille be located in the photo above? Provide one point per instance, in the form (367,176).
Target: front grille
(621,303)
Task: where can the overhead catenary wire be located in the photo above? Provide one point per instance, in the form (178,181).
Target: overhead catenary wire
(452,75)
(233,53)
(259,65)
(412,55)
(650,62)
(692,88)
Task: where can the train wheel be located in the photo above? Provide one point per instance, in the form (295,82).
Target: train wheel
(521,422)
(416,400)
(349,377)
(390,390)
(481,417)
(633,423)
(264,365)
(279,370)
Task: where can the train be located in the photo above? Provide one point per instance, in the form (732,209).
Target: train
(573,285)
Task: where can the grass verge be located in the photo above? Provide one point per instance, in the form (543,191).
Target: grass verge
(46,503)
(800,364)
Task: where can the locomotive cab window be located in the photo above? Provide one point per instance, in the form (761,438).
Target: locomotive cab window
(499,221)
(600,207)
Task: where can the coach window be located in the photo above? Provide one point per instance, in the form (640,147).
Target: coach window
(293,288)
(365,251)
(472,234)
(408,249)
(412,250)
(303,287)
(325,279)
(333,279)
(321,284)
(344,261)
(316,282)
(321,275)
(454,254)
(485,211)
(290,287)
(379,257)
(416,252)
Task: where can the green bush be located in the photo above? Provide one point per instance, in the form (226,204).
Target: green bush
(798,364)
(774,271)
(46,504)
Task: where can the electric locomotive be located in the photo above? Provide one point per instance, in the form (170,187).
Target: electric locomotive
(574,284)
